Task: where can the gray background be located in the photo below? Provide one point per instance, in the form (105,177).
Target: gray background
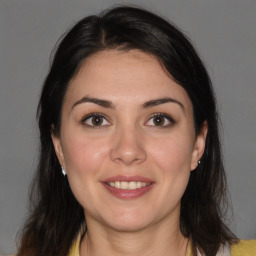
(224,34)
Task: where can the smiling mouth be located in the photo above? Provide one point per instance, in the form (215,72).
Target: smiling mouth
(128,187)
(132,185)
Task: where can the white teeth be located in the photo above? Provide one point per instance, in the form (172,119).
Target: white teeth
(124,185)
(132,185)
(139,184)
(128,185)
(117,184)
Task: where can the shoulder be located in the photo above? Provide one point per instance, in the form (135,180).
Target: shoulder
(244,248)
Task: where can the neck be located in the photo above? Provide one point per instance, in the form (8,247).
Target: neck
(159,239)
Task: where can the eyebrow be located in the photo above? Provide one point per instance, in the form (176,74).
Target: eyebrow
(109,104)
(100,102)
(156,102)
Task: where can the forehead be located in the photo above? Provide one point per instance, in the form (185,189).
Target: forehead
(124,77)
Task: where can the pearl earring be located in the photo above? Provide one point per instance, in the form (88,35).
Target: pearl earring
(63,171)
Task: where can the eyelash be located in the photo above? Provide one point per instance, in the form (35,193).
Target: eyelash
(162,115)
(92,115)
(101,116)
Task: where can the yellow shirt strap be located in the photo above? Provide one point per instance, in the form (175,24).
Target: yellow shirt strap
(244,248)
(74,250)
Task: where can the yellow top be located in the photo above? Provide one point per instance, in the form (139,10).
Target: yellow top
(243,248)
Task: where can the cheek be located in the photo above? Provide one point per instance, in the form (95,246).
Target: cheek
(84,159)
(172,158)
(172,154)
(83,155)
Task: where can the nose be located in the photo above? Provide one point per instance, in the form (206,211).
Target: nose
(127,147)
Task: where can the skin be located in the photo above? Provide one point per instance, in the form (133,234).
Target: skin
(128,142)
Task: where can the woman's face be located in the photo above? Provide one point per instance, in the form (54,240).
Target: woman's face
(127,140)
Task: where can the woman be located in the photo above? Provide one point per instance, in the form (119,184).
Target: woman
(130,159)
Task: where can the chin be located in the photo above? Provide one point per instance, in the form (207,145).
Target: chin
(129,221)
(129,226)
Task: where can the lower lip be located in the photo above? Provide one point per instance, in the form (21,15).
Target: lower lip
(128,193)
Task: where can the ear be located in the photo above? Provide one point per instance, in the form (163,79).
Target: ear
(199,146)
(58,148)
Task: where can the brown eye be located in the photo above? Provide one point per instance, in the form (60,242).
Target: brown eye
(161,120)
(95,120)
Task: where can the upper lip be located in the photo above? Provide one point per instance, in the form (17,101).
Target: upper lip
(127,179)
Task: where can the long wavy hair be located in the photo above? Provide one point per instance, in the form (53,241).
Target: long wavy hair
(56,217)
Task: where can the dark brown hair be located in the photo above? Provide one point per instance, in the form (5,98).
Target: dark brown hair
(55,215)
